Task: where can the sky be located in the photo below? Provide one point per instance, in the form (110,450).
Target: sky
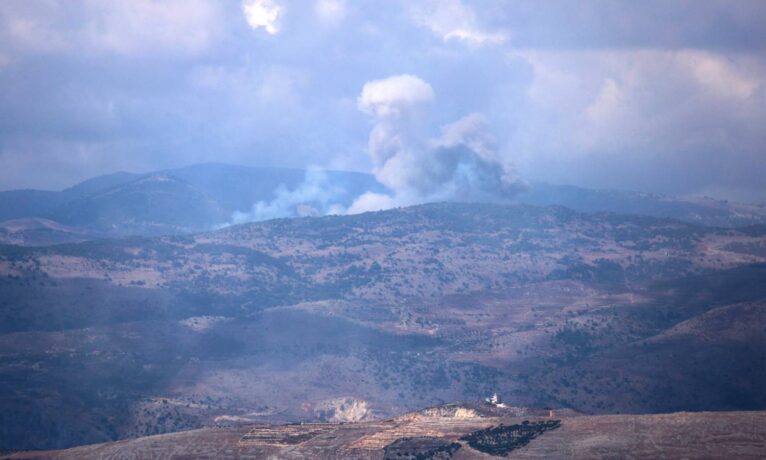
(439,99)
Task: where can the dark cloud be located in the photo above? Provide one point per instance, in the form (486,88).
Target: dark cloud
(562,24)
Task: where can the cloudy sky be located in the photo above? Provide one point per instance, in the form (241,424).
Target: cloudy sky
(663,96)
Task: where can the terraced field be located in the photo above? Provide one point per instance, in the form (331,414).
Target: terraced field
(444,434)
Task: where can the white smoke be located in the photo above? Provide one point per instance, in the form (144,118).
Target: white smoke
(315,196)
(462,163)
(371,201)
(394,96)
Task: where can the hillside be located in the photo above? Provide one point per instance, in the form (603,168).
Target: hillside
(202,197)
(174,201)
(460,431)
(700,210)
(349,318)
(36,231)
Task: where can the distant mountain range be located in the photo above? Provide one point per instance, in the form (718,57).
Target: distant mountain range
(177,201)
(202,197)
(702,211)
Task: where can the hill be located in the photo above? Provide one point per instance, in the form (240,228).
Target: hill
(36,231)
(175,201)
(348,318)
(151,205)
(460,431)
(700,210)
(202,197)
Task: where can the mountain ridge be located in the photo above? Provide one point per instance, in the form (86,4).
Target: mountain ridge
(209,195)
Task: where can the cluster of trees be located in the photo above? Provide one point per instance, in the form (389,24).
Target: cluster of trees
(502,439)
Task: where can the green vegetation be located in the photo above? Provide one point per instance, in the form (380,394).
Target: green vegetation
(420,448)
(502,439)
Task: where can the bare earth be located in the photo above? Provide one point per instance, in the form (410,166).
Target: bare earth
(680,435)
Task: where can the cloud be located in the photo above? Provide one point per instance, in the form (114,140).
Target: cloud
(684,118)
(263,14)
(452,20)
(653,95)
(139,26)
(650,99)
(135,28)
(660,24)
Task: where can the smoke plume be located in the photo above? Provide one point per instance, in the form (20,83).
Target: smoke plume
(461,164)
(317,195)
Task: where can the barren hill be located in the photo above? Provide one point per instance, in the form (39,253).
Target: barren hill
(459,432)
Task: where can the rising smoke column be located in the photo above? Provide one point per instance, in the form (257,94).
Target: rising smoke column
(461,164)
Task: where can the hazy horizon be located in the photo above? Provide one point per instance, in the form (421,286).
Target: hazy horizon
(530,183)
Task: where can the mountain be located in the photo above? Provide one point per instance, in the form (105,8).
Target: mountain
(175,201)
(199,198)
(99,184)
(20,204)
(355,318)
(239,187)
(466,431)
(702,211)
(151,205)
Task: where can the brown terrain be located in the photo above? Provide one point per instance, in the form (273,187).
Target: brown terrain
(445,432)
(363,318)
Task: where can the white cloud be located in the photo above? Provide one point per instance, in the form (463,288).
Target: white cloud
(725,76)
(673,121)
(656,100)
(453,20)
(138,27)
(263,13)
